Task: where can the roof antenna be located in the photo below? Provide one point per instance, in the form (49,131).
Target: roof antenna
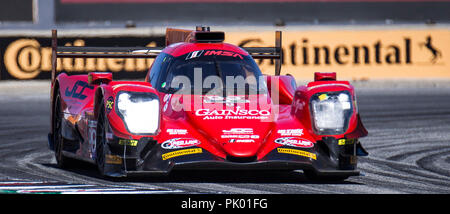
(202,28)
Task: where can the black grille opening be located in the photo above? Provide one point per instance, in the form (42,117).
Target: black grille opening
(241,159)
(147,145)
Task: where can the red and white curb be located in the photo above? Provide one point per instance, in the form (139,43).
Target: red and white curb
(44,187)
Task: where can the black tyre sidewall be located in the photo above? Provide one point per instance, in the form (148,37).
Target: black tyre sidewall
(57,136)
(100,140)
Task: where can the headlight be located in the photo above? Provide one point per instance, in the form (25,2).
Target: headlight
(139,111)
(331,112)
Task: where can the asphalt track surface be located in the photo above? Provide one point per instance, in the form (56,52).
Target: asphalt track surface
(408,142)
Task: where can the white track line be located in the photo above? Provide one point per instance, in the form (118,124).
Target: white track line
(99,191)
(42,187)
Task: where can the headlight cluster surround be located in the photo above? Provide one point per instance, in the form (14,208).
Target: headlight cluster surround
(140,111)
(331,112)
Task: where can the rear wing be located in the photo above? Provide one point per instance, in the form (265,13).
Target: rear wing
(98,52)
(274,53)
(201,34)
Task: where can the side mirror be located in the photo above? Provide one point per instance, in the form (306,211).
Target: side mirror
(97,78)
(325,76)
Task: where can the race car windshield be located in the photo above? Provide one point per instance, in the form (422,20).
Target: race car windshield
(213,72)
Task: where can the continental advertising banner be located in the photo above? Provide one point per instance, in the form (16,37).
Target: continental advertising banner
(357,54)
(353,54)
(30,58)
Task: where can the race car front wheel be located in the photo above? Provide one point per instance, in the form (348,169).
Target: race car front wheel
(61,160)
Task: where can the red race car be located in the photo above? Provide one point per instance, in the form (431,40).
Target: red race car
(204,104)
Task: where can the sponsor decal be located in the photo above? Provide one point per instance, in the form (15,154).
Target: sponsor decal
(179,143)
(128,142)
(113,159)
(226,112)
(239,133)
(177,131)
(297,152)
(253,136)
(233,114)
(181,153)
(241,141)
(75,93)
(109,104)
(229,101)
(222,53)
(323,97)
(342,142)
(290,132)
(166,99)
(295,142)
(194,54)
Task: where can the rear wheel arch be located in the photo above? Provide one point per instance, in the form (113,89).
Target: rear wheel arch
(61,160)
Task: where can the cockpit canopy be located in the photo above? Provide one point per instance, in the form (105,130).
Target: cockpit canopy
(218,72)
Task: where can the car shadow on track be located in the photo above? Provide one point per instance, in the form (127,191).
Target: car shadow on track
(206,176)
(237,176)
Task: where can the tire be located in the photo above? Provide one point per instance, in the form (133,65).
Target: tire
(62,161)
(100,141)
